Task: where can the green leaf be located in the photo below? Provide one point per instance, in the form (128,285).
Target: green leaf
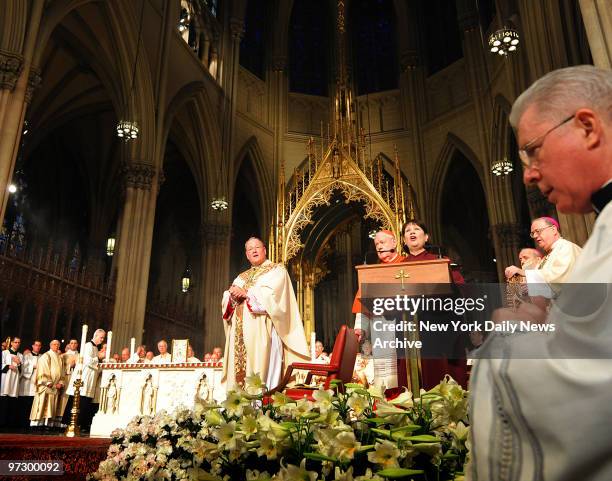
(397,473)
(354,385)
(408,427)
(365,447)
(335,381)
(377,421)
(449,455)
(382,432)
(423,438)
(289,425)
(320,457)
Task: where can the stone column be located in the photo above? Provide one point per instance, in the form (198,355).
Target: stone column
(412,91)
(597,17)
(17,82)
(506,239)
(215,277)
(133,251)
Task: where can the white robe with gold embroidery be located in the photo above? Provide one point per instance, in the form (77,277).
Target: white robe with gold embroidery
(272,328)
(49,370)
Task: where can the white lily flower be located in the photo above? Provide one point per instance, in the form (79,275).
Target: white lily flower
(385,454)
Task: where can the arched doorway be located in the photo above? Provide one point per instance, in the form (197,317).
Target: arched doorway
(246,215)
(464,221)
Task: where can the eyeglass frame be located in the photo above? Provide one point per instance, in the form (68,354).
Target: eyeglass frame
(526,152)
(536,232)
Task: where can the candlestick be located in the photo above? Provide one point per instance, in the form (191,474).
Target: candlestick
(109,340)
(132,346)
(83,339)
(313,341)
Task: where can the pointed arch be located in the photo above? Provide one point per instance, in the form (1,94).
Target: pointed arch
(262,182)
(199,135)
(436,185)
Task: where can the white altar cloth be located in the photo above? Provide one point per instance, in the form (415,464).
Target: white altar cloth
(129,390)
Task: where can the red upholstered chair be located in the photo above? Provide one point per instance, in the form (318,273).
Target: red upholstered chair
(341,367)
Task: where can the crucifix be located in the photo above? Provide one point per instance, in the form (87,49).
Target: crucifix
(401,274)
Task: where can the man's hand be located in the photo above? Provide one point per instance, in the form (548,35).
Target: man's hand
(512,271)
(12,368)
(237,293)
(16,360)
(359,333)
(59,386)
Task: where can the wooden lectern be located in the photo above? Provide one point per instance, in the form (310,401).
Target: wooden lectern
(430,278)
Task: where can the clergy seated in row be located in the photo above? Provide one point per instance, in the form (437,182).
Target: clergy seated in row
(12,365)
(49,384)
(191,355)
(164,357)
(557,264)
(138,356)
(364,365)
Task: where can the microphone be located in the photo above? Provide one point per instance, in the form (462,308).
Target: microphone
(388,250)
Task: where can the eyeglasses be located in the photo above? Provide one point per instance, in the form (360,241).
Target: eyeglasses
(535,233)
(527,153)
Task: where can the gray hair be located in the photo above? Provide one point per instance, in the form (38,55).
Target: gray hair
(561,92)
(253,238)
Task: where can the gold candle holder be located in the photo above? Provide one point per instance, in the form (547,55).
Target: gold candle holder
(73,428)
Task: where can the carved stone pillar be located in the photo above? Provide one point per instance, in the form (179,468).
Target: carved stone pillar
(133,251)
(17,82)
(506,241)
(412,90)
(215,275)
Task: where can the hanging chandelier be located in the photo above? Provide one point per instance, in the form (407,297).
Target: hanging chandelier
(110,246)
(186,280)
(127,130)
(219,204)
(502,167)
(503,41)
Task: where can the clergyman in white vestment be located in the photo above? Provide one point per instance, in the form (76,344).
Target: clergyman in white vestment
(541,411)
(263,327)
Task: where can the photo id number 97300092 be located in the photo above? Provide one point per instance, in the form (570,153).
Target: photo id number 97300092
(31,467)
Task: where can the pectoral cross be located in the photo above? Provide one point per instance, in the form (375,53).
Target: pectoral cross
(402,275)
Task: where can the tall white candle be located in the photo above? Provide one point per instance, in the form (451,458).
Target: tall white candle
(132,346)
(313,341)
(83,339)
(109,340)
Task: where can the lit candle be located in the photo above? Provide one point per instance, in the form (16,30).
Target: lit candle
(313,340)
(83,339)
(109,340)
(132,346)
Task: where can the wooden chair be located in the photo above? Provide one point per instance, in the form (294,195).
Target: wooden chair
(341,367)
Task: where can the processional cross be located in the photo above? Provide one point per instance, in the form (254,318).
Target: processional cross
(401,274)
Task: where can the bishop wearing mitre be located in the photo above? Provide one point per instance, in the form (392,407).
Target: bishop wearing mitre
(49,384)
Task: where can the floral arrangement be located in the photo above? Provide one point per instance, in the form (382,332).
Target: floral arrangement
(349,434)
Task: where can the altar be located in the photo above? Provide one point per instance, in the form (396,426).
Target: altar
(128,390)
